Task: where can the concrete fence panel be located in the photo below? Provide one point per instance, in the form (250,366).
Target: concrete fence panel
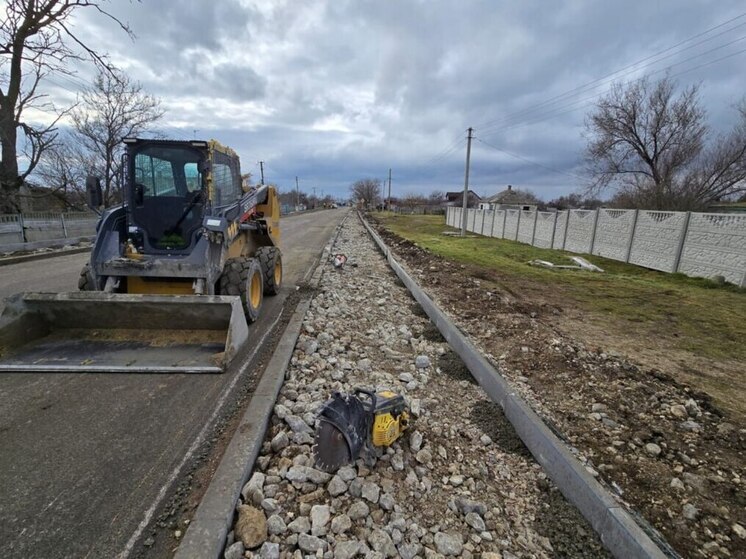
(11,229)
(471,215)
(489,221)
(511,224)
(560,230)
(715,244)
(499,226)
(657,239)
(580,228)
(478,221)
(614,231)
(526,227)
(544,230)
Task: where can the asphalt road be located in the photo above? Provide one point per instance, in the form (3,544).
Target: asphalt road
(86,459)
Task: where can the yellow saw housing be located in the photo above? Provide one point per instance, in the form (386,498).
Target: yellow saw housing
(390,418)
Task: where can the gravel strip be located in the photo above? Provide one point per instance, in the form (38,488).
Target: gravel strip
(459,484)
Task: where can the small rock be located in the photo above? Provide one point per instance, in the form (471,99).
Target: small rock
(465,506)
(347,549)
(397,462)
(597,407)
(341,523)
(485,440)
(653,449)
(269,550)
(276,525)
(297,474)
(676,483)
(422,362)
(739,530)
(492,555)
(279,441)
(347,473)
(406,377)
(310,544)
(691,407)
(336,486)
(320,517)
(410,550)
(449,544)
(358,510)
(300,525)
(251,526)
(380,541)
(679,411)
(690,426)
(235,551)
(386,502)
(415,441)
(475,521)
(690,511)
(364,365)
(424,456)
(297,424)
(370,491)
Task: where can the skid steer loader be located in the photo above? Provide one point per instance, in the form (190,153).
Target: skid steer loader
(176,273)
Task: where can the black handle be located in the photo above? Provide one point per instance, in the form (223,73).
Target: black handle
(369,406)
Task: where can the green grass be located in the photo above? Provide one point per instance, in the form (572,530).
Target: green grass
(692,314)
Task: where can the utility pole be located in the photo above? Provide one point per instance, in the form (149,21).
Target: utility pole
(389,204)
(314,197)
(297,194)
(261,169)
(466,184)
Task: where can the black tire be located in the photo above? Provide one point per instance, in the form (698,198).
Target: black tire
(86,281)
(270,259)
(242,277)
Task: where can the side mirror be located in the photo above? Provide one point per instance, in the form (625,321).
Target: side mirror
(94,197)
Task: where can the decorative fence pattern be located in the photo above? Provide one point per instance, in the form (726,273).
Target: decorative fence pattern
(41,226)
(695,244)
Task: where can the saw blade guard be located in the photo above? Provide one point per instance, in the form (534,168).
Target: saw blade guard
(343,420)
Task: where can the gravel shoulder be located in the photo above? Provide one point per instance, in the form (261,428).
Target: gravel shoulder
(458,484)
(664,447)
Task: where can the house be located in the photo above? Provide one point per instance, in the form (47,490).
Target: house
(457,199)
(508,199)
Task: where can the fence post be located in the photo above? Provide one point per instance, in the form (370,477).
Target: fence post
(492,227)
(680,248)
(484,212)
(593,234)
(554,230)
(22,226)
(505,218)
(518,227)
(567,226)
(64,225)
(533,232)
(474,221)
(631,236)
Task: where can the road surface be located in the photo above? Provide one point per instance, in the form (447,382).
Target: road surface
(86,459)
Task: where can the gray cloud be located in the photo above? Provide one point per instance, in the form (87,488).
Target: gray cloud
(335,90)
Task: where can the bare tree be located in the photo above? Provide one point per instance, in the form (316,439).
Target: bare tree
(412,200)
(114,107)
(651,145)
(436,198)
(366,191)
(36,39)
(62,170)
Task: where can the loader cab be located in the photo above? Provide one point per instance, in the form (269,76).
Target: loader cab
(166,194)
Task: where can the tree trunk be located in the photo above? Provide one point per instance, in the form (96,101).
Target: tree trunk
(9,181)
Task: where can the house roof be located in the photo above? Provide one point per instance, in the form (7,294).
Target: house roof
(509,196)
(451,196)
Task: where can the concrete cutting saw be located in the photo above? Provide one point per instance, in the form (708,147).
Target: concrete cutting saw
(361,423)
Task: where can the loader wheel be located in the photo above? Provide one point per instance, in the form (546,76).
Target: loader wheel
(86,281)
(243,277)
(270,259)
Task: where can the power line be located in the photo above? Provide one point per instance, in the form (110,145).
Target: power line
(553,170)
(583,87)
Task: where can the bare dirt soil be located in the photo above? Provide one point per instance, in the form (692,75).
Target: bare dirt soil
(662,446)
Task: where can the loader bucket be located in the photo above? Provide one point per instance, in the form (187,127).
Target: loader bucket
(93,331)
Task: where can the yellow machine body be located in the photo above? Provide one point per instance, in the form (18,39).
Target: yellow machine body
(390,420)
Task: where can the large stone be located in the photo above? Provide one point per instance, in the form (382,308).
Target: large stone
(310,544)
(279,441)
(410,550)
(415,441)
(475,521)
(297,474)
(297,424)
(347,473)
(251,526)
(679,411)
(449,544)
(386,502)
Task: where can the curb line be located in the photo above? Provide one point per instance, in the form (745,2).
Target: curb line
(41,256)
(205,537)
(617,528)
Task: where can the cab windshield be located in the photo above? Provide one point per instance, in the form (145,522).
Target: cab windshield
(167,195)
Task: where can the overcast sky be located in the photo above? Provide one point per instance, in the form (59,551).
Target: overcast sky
(333,91)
